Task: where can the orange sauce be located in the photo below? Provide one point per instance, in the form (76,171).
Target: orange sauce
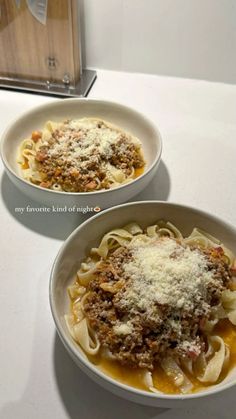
(126,375)
(227,332)
(25,165)
(134,376)
(139,171)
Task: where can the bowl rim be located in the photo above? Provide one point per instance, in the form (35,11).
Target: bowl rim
(213,390)
(71,100)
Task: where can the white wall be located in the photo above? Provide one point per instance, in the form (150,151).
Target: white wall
(185,38)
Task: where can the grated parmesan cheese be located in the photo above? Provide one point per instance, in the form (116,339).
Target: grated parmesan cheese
(83,139)
(165,272)
(123,329)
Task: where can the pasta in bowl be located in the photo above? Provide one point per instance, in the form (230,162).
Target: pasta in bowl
(80,155)
(152,308)
(84,152)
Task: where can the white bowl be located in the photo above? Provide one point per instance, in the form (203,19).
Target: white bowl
(77,247)
(126,118)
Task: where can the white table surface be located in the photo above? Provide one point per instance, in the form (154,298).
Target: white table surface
(38,379)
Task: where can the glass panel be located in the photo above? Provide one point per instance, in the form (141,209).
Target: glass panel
(39,41)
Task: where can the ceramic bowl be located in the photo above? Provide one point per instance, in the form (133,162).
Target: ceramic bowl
(120,115)
(75,250)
